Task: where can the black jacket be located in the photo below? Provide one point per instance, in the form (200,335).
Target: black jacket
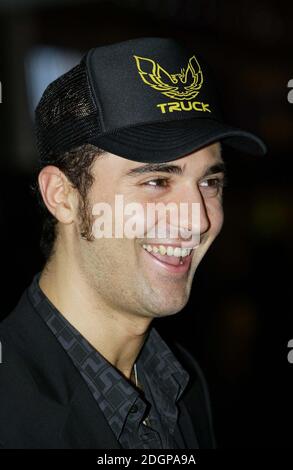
(46,404)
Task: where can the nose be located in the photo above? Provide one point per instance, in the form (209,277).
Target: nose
(194,202)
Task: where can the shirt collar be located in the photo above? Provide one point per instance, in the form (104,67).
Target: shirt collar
(154,349)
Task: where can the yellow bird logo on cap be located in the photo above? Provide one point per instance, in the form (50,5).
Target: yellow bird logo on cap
(180,86)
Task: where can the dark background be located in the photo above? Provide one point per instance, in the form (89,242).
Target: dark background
(239,318)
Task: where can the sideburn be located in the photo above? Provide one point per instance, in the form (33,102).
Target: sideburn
(86,219)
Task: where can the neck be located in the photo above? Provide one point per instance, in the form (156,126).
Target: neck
(118,336)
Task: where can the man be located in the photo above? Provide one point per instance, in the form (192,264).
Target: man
(82,365)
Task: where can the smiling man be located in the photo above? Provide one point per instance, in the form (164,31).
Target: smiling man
(83,367)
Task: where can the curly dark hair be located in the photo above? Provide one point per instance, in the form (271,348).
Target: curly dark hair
(76,164)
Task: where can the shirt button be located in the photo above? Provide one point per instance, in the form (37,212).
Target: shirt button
(134,409)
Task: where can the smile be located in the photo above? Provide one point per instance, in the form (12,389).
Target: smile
(168,250)
(170,258)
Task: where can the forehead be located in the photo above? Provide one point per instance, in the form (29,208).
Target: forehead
(210,154)
(195,161)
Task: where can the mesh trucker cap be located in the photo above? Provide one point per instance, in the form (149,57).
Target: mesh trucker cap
(147,99)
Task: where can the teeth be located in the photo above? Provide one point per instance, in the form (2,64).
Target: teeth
(169,250)
(177,252)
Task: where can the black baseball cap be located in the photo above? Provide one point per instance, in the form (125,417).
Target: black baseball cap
(147,99)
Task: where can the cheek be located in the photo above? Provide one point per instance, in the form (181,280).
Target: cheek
(216,216)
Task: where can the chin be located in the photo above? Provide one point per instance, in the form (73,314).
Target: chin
(166,310)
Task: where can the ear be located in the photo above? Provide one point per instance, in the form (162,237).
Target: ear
(58,194)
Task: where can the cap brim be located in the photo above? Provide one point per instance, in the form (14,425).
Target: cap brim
(166,141)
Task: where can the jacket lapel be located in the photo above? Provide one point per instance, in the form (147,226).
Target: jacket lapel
(86,427)
(186,426)
(72,416)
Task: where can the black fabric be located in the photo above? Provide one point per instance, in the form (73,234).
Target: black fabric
(125,98)
(66,115)
(146,99)
(164,142)
(45,403)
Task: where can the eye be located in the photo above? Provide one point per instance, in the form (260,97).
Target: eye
(212,186)
(158,183)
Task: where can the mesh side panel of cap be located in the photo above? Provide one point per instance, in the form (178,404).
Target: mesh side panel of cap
(66,115)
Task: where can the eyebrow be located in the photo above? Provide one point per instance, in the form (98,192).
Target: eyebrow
(173,169)
(155,167)
(217,168)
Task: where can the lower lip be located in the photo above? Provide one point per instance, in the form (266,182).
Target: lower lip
(180,269)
